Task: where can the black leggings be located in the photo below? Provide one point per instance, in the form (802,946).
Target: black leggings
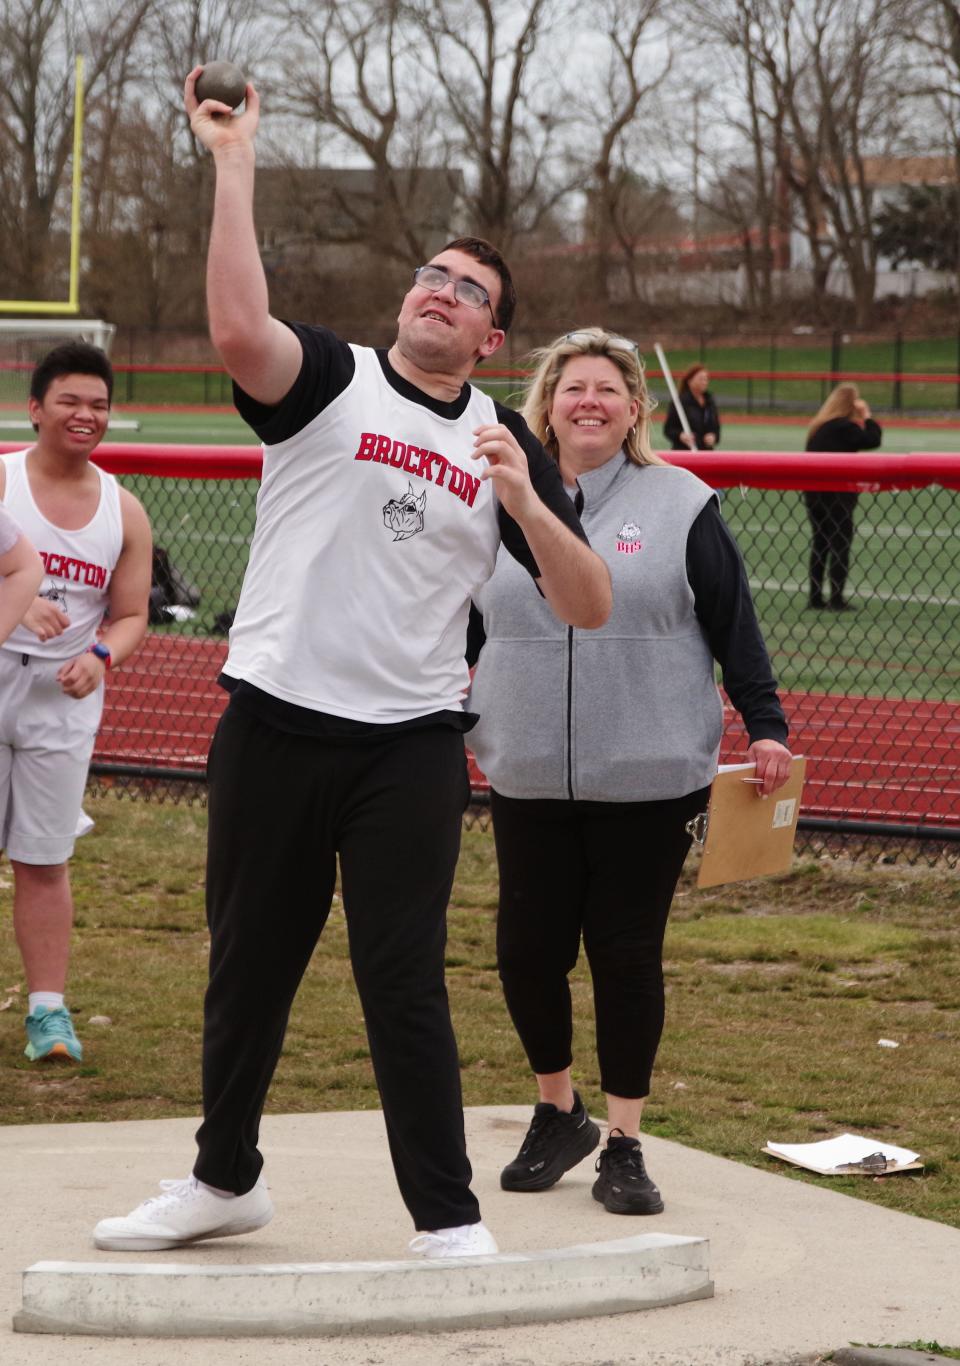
(282,807)
(831,521)
(607,870)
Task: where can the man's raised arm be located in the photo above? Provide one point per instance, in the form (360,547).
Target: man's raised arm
(262,355)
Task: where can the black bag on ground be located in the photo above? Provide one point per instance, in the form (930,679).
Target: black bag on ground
(168,588)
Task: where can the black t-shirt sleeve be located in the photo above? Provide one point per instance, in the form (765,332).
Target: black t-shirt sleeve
(546,480)
(724,608)
(476,636)
(327,368)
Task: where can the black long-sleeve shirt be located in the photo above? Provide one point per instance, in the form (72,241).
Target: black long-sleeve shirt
(843,434)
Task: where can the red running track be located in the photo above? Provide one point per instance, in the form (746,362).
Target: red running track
(869,758)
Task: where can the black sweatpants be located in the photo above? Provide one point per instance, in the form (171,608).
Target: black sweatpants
(608,871)
(282,807)
(831,522)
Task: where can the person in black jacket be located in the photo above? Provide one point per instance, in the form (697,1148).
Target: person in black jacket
(701,410)
(842,424)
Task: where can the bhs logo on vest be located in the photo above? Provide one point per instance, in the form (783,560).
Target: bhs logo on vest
(628,539)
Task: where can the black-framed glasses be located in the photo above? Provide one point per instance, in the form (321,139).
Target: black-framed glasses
(609,343)
(464,291)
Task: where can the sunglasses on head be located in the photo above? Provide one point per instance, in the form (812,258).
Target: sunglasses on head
(609,343)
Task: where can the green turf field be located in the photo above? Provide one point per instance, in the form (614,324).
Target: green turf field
(917,356)
(779,354)
(775,353)
(903,640)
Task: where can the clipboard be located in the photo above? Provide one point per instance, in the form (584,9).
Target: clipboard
(743,835)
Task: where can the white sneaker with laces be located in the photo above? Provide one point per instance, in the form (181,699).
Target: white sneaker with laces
(185,1212)
(466,1240)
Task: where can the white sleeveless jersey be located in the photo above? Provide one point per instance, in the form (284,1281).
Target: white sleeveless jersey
(373,531)
(78,564)
(9,531)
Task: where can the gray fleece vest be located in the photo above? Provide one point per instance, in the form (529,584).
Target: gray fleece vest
(629,712)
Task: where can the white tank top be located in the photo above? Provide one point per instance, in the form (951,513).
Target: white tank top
(78,564)
(9,531)
(374,530)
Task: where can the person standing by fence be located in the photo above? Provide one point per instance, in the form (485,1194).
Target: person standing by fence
(592,794)
(700,408)
(843,424)
(91,613)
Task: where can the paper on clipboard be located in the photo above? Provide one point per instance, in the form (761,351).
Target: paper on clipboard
(746,835)
(847,1155)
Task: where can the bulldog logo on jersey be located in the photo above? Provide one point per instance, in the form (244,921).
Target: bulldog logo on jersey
(404,516)
(58,596)
(628,539)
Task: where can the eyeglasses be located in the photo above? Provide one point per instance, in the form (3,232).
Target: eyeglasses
(464,291)
(609,343)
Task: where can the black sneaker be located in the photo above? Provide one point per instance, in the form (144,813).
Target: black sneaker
(623,1186)
(555,1142)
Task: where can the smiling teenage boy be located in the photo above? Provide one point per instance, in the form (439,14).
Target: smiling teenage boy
(91,613)
(388,484)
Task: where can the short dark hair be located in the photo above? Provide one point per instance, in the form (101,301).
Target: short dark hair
(71,358)
(487,255)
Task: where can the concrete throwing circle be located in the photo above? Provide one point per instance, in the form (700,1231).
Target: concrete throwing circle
(314,1299)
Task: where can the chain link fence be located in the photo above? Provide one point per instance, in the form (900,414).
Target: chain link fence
(872,694)
(788,371)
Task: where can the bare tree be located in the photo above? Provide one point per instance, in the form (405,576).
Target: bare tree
(502,111)
(164,179)
(622,204)
(932,32)
(820,81)
(354,75)
(38,39)
(746,143)
(745,190)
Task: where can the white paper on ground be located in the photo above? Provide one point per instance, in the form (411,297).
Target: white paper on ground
(831,1153)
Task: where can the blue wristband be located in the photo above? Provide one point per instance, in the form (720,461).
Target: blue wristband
(102,652)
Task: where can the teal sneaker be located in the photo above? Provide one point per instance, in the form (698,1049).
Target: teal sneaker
(50,1034)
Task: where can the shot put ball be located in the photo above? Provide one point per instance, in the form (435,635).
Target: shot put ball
(221,81)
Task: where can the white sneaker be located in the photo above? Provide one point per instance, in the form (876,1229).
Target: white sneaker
(186,1212)
(466,1240)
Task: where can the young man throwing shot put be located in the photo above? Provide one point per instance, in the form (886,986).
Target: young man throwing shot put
(91,613)
(388,483)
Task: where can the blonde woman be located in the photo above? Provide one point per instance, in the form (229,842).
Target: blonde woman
(842,424)
(601,745)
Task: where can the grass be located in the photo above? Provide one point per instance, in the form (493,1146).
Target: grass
(917,1345)
(778,991)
